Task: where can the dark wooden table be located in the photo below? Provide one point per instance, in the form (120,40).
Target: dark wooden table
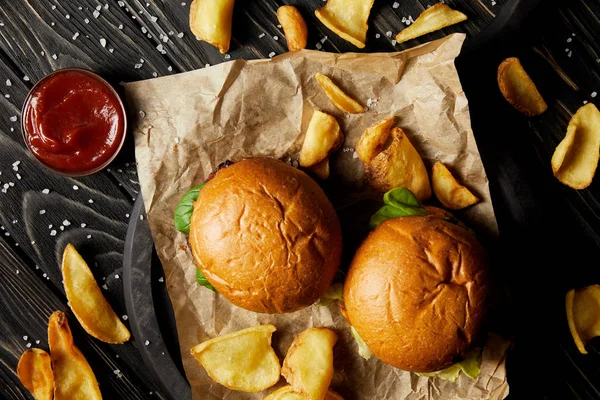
(552,232)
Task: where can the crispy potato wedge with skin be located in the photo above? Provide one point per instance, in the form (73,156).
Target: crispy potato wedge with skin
(73,376)
(308,365)
(448,191)
(347,18)
(338,97)
(210,20)
(242,360)
(583,315)
(87,302)
(294,27)
(287,393)
(373,139)
(35,372)
(321,169)
(575,159)
(399,165)
(323,137)
(433,19)
(518,88)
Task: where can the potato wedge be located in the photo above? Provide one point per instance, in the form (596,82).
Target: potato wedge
(73,376)
(448,191)
(575,159)
(87,302)
(518,88)
(338,97)
(583,315)
(373,139)
(287,393)
(210,20)
(323,137)
(242,360)
(308,365)
(433,19)
(399,165)
(294,27)
(35,372)
(347,18)
(321,169)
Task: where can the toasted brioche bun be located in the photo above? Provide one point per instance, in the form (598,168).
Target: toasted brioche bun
(415,292)
(265,236)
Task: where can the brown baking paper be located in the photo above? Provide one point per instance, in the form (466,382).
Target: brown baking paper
(186,125)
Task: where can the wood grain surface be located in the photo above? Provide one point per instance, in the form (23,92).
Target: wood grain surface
(41,212)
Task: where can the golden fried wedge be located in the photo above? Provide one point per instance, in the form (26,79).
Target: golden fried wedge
(210,20)
(35,372)
(399,165)
(287,393)
(242,360)
(86,300)
(583,315)
(338,97)
(294,27)
(373,139)
(73,376)
(308,365)
(518,88)
(347,18)
(448,190)
(321,169)
(575,159)
(434,18)
(323,137)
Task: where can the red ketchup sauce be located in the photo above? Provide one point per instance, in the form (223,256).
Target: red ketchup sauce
(74,122)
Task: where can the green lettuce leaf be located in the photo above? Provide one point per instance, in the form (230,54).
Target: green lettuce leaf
(185,208)
(202,281)
(398,202)
(470,366)
(333,294)
(364,351)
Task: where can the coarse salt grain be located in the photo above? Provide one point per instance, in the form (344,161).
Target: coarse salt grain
(8,82)
(161,279)
(66,222)
(13,118)
(75,35)
(46,191)
(154,18)
(53,232)
(594,94)
(395,5)
(125,317)
(137,66)
(102,42)
(90,201)
(147,342)
(144,30)
(42,212)
(28,345)
(26,78)
(180,35)
(25,337)
(355,155)
(262,35)
(272,54)
(96,13)
(75,187)
(388,34)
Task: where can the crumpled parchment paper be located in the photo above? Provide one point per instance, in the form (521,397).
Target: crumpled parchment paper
(187,124)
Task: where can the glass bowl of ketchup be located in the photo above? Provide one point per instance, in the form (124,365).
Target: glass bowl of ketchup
(74,122)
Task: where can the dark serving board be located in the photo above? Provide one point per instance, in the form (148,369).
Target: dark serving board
(543,363)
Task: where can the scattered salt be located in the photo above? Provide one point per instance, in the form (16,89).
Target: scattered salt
(125,317)
(75,35)
(102,42)
(161,279)
(46,191)
(594,94)
(53,232)
(262,35)
(180,35)
(8,82)
(395,5)
(96,13)
(272,54)
(25,337)
(13,118)
(75,187)
(147,342)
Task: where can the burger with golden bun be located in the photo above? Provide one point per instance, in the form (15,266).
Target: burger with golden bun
(265,236)
(416,289)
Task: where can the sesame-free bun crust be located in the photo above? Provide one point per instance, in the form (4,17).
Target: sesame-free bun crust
(265,236)
(415,292)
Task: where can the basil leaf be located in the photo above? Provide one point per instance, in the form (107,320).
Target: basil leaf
(185,208)
(202,281)
(399,202)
